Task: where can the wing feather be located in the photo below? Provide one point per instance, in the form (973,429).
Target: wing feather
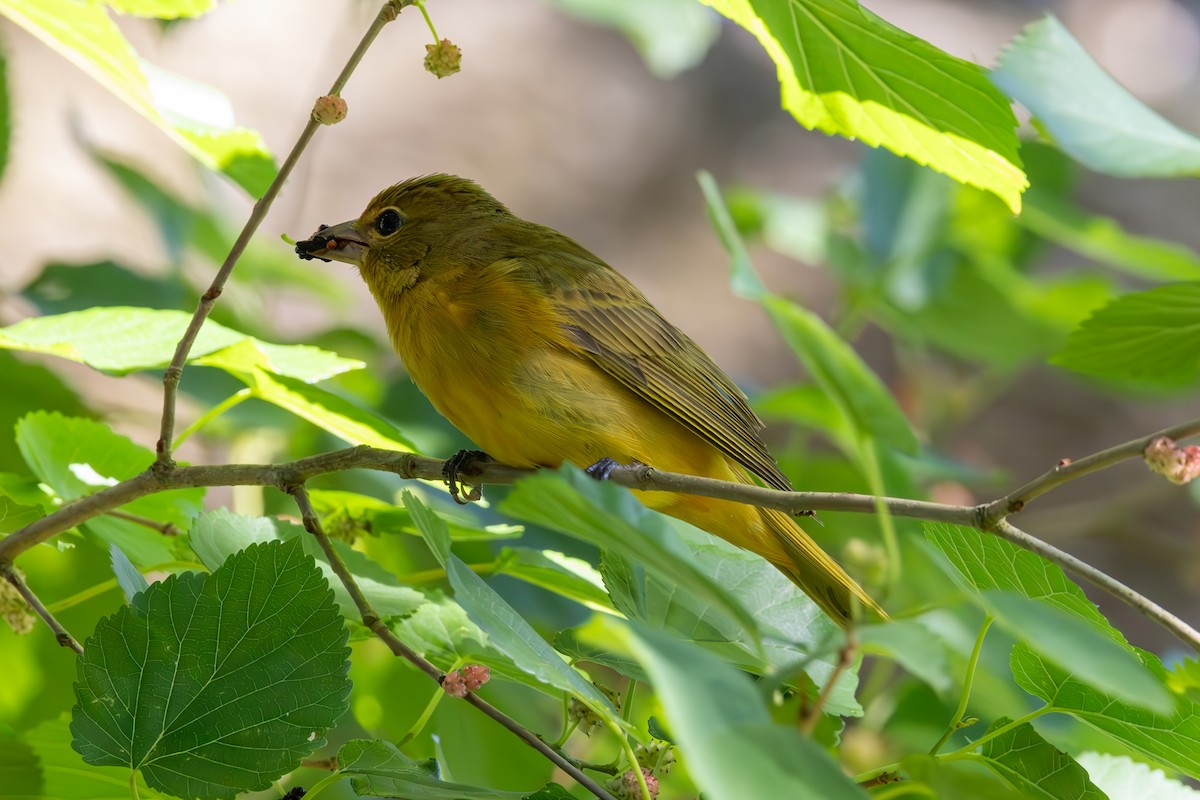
(615,326)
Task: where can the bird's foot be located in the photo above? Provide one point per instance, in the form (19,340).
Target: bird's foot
(603,469)
(460,461)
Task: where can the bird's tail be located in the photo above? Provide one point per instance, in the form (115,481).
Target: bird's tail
(815,572)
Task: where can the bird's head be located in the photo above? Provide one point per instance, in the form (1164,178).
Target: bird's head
(399,236)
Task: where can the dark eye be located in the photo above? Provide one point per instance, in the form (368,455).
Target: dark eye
(388,222)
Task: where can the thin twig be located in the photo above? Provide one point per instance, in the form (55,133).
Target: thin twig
(371,619)
(1069,470)
(10,574)
(808,720)
(174,371)
(165,528)
(1143,605)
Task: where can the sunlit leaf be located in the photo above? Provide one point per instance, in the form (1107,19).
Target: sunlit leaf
(845,71)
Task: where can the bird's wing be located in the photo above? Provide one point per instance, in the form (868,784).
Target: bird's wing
(614,325)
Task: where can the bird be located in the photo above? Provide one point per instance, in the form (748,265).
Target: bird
(541,353)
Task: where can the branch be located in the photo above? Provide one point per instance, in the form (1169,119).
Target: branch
(1069,470)
(10,574)
(174,371)
(371,619)
(989,517)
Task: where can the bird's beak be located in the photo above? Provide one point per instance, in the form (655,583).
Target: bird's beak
(340,242)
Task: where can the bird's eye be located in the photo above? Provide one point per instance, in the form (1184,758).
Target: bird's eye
(388,222)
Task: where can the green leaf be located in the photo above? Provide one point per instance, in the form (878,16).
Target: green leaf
(131,581)
(910,644)
(163,9)
(84,34)
(743,279)
(796,634)
(22,501)
(326,410)
(1122,778)
(845,71)
(77,457)
(1035,767)
(379,769)
(74,287)
(298,361)
(671,35)
(1036,602)
(355,513)
(210,685)
(835,366)
(1104,240)
(1091,116)
(507,630)
(989,562)
(217,535)
(955,780)
(1149,339)
(555,572)
(124,339)
(1073,643)
(1172,739)
(39,764)
(609,517)
(719,721)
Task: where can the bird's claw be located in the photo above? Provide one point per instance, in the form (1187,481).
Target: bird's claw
(603,469)
(464,460)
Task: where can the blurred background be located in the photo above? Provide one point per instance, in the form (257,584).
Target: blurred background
(562,119)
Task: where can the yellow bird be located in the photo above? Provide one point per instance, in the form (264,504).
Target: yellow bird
(541,353)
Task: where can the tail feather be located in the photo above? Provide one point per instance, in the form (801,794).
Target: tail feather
(817,574)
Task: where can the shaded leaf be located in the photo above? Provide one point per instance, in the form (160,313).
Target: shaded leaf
(1171,739)
(1091,116)
(1036,767)
(720,724)
(1149,339)
(507,630)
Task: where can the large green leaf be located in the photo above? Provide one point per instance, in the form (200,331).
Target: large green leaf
(507,630)
(84,34)
(326,410)
(609,517)
(734,751)
(210,685)
(124,339)
(845,71)
(1149,339)
(77,457)
(1172,739)
(794,630)
(1091,116)
(1037,603)
(1039,769)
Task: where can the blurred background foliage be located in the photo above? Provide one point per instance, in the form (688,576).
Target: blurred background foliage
(952,300)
